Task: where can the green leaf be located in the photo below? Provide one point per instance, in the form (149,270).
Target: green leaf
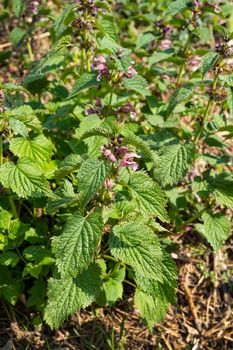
(17,6)
(9,258)
(220,186)
(39,148)
(18,127)
(85,81)
(135,244)
(69,165)
(25,115)
(63,197)
(64,20)
(37,253)
(113,287)
(230,100)
(227,79)
(174,162)
(99,131)
(216,229)
(5,218)
(137,84)
(178,6)
(140,144)
(37,295)
(66,296)
(76,246)
(109,28)
(16,36)
(149,196)
(208,61)
(160,56)
(10,87)
(24,178)
(165,290)
(152,308)
(144,39)
(180,95)
(51,62)
(91,177)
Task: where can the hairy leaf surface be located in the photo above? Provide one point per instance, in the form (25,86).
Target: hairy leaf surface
(66,296)
(149,196)
(75,247)
(136,244)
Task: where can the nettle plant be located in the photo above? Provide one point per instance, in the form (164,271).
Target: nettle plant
(110,144)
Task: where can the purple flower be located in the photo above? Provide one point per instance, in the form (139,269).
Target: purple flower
(89,111)
(97,109)
(2,96)
(121,151)
(196,3)
(33,7)
(128,161)
(108,154)
(108,184)
(188,228)
(194,63)
(112,158)
(217,9)
(131,72)
(165,44)
(100,64)
(126,108)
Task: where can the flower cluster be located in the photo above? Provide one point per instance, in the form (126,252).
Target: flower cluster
(198,6)
(224,48)
(33,7)
(122,154)
(165,44)
(96,109)
(92,6)
(127,108)
(2,96)
(100,64)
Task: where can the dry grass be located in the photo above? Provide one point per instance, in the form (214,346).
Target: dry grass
(202,320)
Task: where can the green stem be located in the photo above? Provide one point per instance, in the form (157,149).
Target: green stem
(193,218)
(83,54)
(130,283)
(110,100)
(1,151)
(109,258)
(13,207)
(182,68)
(207,110)
(29,47)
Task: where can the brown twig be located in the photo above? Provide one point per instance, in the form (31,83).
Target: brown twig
(191,303)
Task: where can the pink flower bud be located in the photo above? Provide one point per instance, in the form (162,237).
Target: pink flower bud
(121,151)
(165,44)
(107,152)
(108,184)
(112,158)
(126,108)
(131,72)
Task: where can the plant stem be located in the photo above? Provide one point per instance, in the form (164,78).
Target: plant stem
(193,218)
(182,68)
(110,100)
(207,110)
(13,207)
(1,151)
(109,258)
(130,283)
(29,47)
